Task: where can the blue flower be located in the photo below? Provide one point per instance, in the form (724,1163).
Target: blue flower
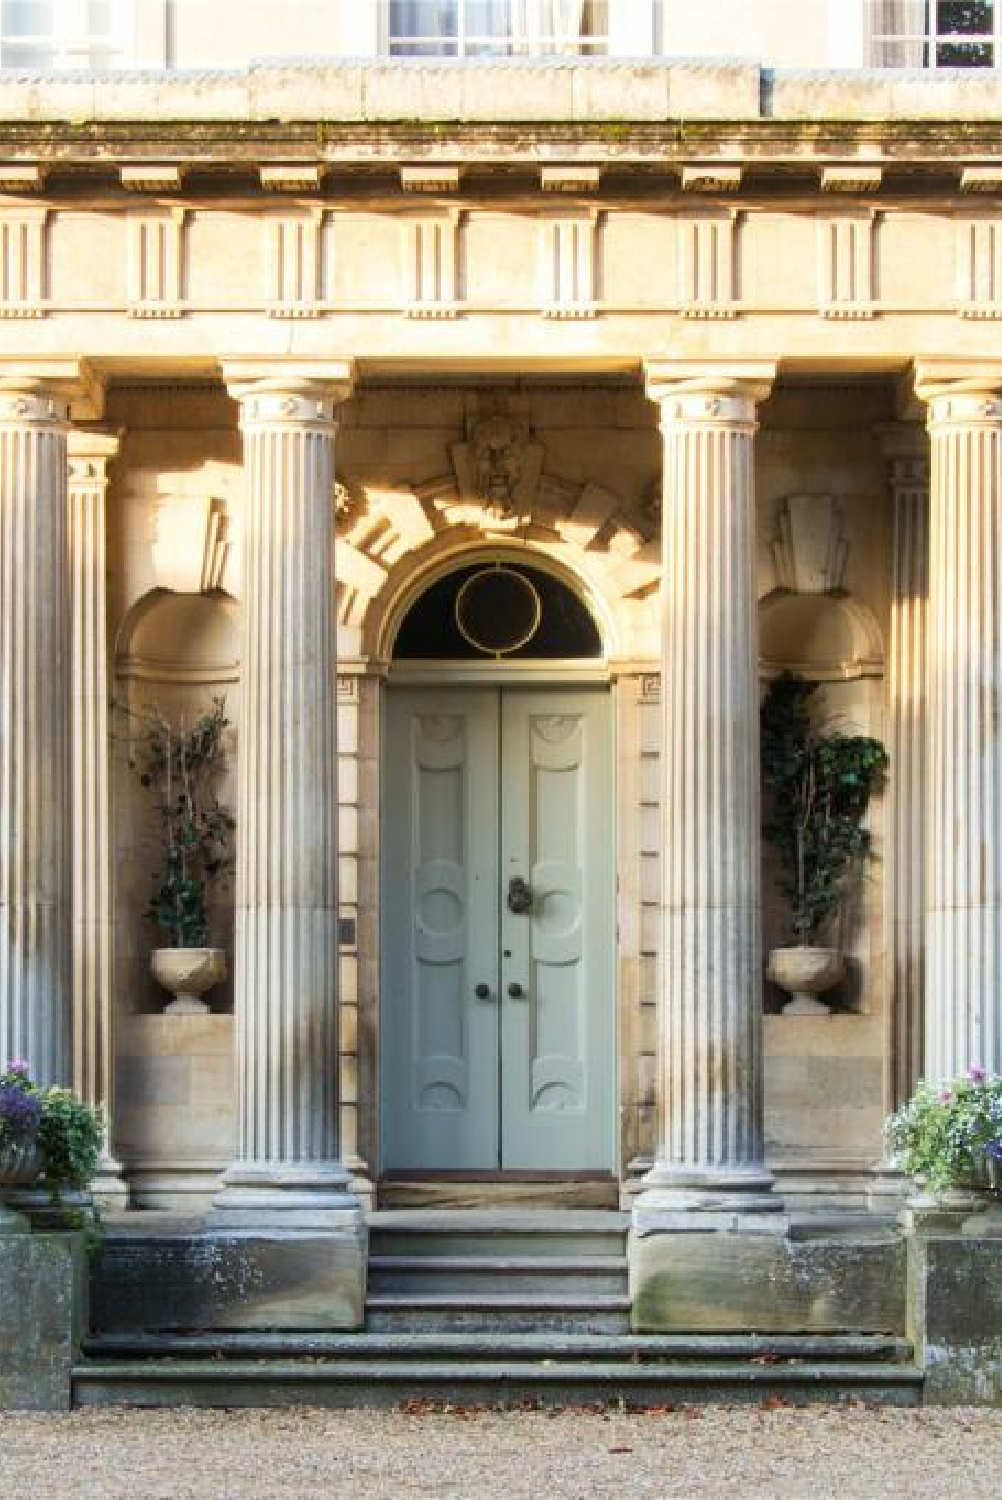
(20,1111)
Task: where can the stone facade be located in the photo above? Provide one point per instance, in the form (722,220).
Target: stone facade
(228,332)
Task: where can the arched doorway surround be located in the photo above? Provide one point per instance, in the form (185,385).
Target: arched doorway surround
(393,544)
(498,966)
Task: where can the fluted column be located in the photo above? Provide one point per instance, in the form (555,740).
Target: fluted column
(906,694)
(34,746)
(286,971)
(90,452)
(710,1157)
(963,1011)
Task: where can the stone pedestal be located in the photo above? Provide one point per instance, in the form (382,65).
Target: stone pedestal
(955,1302)
(709,1164)
(90,452)
(288,1172)
(34,745)
(43,1316)
(963,1012)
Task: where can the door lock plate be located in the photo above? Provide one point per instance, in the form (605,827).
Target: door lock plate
(519,896)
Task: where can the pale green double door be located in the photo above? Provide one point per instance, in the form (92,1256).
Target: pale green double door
(497,1018)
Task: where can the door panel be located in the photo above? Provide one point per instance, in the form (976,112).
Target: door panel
(557,1041)
(439,1040)
(482,786)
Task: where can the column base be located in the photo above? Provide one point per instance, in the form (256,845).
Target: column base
(109,1188)
(685,1199)
(889,1189)
(296,1196)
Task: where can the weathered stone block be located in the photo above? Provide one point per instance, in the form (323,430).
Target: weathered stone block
(229,1279)
(955,1316)
(43,1295)
(767,1283)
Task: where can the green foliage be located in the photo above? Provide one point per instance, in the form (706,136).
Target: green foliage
(69,1134)
(181,765)
(950,1136)
(817,790)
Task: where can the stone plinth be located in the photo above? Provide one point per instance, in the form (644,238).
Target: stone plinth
(766,1283)
(955,1311)
(43,1292)
(163,1283)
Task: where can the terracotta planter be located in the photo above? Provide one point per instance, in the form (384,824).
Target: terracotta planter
(806,973)
(188,973)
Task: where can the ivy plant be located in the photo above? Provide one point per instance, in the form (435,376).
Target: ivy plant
(817,788)
(181,765)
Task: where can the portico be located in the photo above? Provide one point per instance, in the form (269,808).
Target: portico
(678,403)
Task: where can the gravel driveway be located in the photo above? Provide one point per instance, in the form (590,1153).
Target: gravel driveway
(853,1453)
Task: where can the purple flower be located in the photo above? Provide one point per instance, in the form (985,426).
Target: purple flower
(994,1149)
(20,1112)
(976,1073)
(17,1066)
(945,1096)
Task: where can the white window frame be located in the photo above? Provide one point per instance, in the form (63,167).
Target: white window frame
(932,39)
(70,39)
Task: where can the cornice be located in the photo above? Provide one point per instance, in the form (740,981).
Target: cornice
(196,158)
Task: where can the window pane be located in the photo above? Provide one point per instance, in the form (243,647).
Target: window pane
(964,55)
(416,26)
(913,54)
(489,18)
(441,625)
(38,57)
(26,18)
(966,17)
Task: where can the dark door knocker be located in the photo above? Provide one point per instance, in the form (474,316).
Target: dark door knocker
(519,896)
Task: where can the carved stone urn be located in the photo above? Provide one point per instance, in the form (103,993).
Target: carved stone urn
(188,973)
(806,973)
(21,1164)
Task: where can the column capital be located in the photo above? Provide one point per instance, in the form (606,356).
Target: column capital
(285,392)
(90,450)
(721,393)
(34,390)
(960,393)
(905,445)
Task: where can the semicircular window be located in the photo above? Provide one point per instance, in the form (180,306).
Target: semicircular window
(499,611)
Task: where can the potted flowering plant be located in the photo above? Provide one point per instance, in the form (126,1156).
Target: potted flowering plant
(950,1135)
(46,1135)
(181,765)
(817,790)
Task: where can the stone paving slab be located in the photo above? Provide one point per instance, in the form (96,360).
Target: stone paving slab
(749,1454)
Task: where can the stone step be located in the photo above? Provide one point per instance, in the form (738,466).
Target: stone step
(578,1274)
(588,1312)
(510,1232)
(361,1382)
(497,1345)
